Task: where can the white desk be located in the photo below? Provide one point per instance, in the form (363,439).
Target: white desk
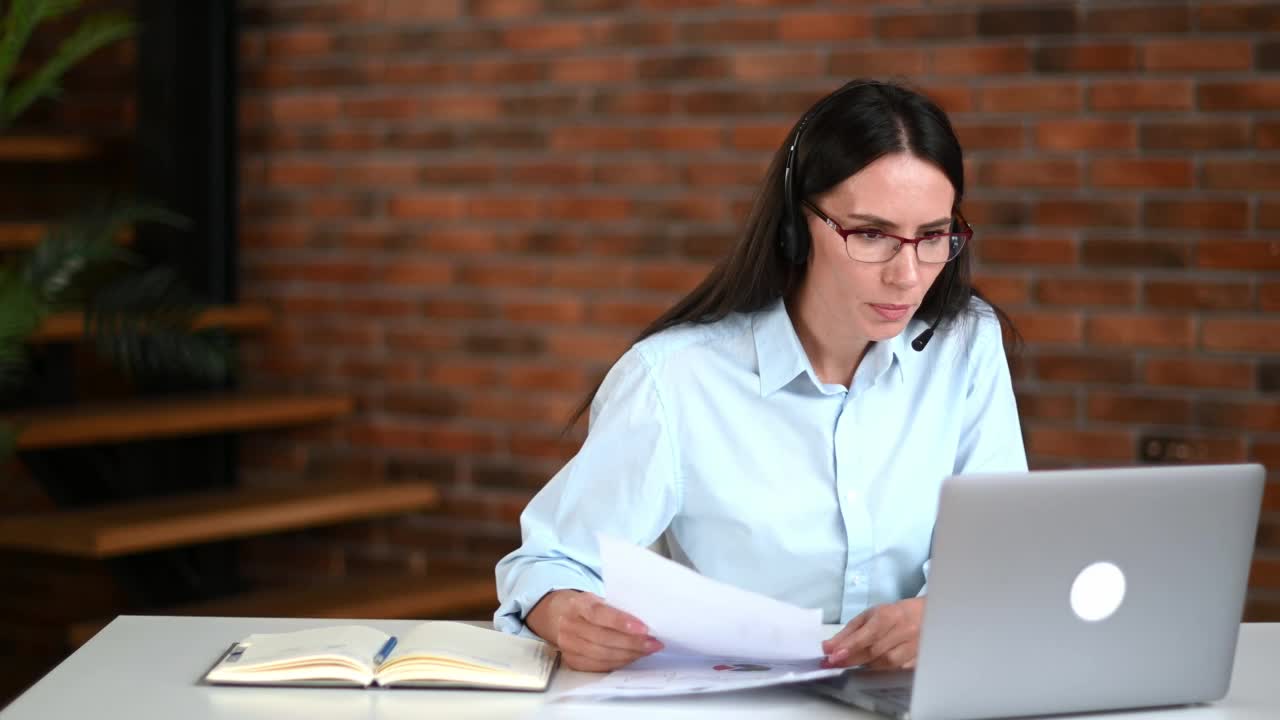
(149,668)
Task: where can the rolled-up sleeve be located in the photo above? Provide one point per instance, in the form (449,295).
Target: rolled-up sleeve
(624,481)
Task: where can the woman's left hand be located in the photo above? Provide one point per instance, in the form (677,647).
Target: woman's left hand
(885,637)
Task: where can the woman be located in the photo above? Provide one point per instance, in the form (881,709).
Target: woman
(786,427)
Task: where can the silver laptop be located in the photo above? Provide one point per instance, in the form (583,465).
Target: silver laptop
(1076,590)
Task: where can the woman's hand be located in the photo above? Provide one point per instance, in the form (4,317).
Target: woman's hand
(885,637)
(592,635)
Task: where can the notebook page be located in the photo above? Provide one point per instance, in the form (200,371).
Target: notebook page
(353,643)
(467,645)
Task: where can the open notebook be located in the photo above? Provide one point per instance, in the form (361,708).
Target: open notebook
(432,654)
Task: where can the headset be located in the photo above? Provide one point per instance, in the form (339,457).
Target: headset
(793,237)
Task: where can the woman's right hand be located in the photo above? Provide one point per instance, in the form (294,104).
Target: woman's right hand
(592,635)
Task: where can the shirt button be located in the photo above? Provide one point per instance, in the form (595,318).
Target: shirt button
(851,497)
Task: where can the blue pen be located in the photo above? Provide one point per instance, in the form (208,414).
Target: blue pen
(385,651)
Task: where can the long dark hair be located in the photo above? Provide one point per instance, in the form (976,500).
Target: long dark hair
(843,133)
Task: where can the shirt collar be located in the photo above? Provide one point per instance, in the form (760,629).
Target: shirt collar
(781,358)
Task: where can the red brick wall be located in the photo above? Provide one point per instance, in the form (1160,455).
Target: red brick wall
(464,209)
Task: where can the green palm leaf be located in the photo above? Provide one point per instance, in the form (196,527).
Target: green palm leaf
(64,267)
(94,33)
(21,312)
(143,322)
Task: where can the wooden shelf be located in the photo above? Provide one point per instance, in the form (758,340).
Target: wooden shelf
(388,597)
(26,235)
(154,524)
(69,327)
(49,148)
(171,417)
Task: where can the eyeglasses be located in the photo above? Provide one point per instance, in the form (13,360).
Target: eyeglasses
(874,246)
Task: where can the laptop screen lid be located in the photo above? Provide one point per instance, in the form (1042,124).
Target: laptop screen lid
(1077,590)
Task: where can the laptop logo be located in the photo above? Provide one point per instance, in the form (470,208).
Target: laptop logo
(1097,592)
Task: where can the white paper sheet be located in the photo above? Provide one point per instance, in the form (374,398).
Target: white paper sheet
(694,615)
(669,674)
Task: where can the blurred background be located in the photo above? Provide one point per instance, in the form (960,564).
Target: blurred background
(299,294)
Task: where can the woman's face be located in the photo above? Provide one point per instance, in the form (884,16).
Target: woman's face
(898,194)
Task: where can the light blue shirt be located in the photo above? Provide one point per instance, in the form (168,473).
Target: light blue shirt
(722,440)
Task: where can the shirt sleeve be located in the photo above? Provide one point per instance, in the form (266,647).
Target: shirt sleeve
(623,482)
(991,434)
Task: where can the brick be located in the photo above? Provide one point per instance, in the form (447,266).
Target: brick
(900,62)
(758,136)
(1246,255)
(1081,445)
(501,274)
(1240,335)
(1195,135)
(1268,376)
(1269,295)
(298,43)
(1137,409)
(428,205)
(602,208)
(1197,372)
(1267,56)
(1078,291)
(1131,95)
(1044,405)
(917,26)
(1086,213)
(1135,253)
(729,31)
(1198,295)
(985,60)
(1085,135)
(683,67)
(505,207)
(1003,289)
(1042,326)
(1256,17)
(635,33)
(637,172)
(1197,55)
(504,9)
(302,109)
(1267,135)
(725,174)
(1042,96)
(1140,173)
(1259,416)
(543,311)
(1027,21)
(1268,216)
(1197,214)
(1082,368)
(1135,20)
(987,213)
(1090,58)
(990,136)
(1135,330)
(418,273)
(1007,249)
(545,37)
(753,66)
(952,98)
(635,102)
(822,26)
(1259,94)
(1033,173)
(1251,175)
(592,70)
(521,71)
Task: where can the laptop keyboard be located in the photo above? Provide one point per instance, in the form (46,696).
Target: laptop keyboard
(900,695)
